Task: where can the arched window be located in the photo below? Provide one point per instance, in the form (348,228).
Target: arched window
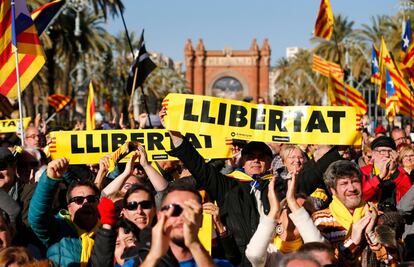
(228,87)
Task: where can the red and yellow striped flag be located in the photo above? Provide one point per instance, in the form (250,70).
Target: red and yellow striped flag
(406,102)
(324,25)
(30,51)
(58,101)
(342,94)
(90,109)
(325,67)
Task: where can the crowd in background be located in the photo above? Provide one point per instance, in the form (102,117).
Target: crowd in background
(272,204)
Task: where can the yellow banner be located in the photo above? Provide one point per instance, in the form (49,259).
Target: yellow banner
(10,126)
(205,233)
(87,147)
(267,123)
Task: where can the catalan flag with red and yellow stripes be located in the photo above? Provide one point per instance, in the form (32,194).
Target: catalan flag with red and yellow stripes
(58,101)
(324,25)
(30,52)
(342,94)
(402,91)
(326,68)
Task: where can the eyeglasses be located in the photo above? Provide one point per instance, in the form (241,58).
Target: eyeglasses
(400,139)
(177,209)
(383,151)
(33,136)
(145,204)
(409,156)
(79,200)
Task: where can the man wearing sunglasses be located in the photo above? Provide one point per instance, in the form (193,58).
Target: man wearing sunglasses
(176,232)
(68,236)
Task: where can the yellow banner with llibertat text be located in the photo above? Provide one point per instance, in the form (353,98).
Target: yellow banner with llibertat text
(88,147)
(11,126)
(333,125)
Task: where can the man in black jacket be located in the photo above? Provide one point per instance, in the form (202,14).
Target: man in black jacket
(241,201)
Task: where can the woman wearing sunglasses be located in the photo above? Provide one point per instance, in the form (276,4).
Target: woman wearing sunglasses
(139,206)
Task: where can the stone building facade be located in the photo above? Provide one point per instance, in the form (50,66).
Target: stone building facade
(232,74)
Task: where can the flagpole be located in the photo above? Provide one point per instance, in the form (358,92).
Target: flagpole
(132,51)
(16,56)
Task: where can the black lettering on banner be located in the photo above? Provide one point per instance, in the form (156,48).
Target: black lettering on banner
(138,137)
(207,141)
(221,119)
(155,140)
(104,143)
(336,120)
(188,109)
(205,112)
(316,121)
(238,116)
(118,140)
(258,119)
(89,144)
(193,140)
(297,121)
(74,145)
(276,118)
(11,123)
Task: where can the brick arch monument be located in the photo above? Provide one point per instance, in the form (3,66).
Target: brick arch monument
(228,73)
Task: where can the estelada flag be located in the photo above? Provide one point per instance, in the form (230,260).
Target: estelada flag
(326,68)
(44,15)
(324,25)
(18,32)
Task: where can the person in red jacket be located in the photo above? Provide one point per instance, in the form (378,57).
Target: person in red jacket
(383,180)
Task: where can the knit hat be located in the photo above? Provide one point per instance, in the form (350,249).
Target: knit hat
(383,141)
(380,129)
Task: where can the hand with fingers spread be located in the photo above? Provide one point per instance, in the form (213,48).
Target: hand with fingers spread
(273,201)
(192,216)
(57,167)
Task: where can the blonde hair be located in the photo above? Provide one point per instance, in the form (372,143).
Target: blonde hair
(403,152)
(287,150)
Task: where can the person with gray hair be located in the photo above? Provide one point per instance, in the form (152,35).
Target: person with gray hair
(348,221)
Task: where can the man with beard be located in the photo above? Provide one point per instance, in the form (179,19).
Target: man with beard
(348,221)
(68,236)
(177,230)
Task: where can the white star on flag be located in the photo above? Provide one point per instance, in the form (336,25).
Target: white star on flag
(406,42)
(391,84)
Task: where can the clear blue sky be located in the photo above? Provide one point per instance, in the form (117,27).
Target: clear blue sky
(234,23)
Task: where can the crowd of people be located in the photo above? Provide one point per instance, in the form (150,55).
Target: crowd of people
(272,204)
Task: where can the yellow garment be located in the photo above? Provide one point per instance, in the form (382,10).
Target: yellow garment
(342,214)
(377,172)
(287,246)
(320,193)
(244,177)
(86,238)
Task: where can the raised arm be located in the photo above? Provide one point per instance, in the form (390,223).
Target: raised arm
(41,219)
(156,179)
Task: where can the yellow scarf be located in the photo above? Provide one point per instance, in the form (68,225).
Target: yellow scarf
(86,238)
(287,246)
(342,214)
(241,176)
